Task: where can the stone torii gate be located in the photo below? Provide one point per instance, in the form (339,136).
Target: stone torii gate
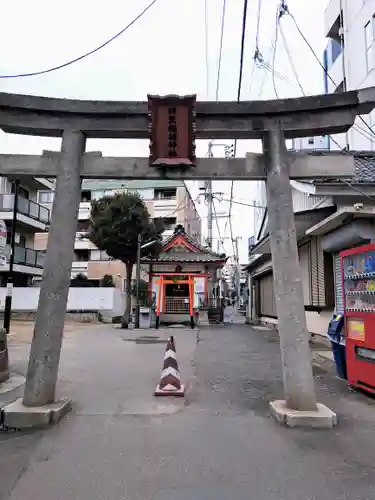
(172,124)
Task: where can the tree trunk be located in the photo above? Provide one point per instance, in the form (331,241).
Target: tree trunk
(128,296)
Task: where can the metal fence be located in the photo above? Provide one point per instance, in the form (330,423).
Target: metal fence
(26,207)
(177,305)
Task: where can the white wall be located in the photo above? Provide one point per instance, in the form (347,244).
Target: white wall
(318,322)
(356,15)
(110,300)
(261,202)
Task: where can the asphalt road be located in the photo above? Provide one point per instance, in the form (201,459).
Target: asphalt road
(220,443)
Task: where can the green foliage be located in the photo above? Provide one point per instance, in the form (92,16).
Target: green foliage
(143,288)
(80,281)
(143,292)
(107,281)
(115,224)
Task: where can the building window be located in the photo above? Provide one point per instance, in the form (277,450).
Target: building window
(83,226)
(21,191)
(99,255)
(168,223)
(85,196)
(369,31)
(46,196)
(97,195)
(165,194)
(146,194)
(81,255)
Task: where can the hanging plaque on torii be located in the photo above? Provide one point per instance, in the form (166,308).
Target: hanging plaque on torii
(172,129)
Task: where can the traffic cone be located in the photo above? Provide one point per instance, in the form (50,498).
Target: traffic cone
(170,383)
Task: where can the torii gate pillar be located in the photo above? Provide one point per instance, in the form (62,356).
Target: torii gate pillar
(300,407)
(49,324)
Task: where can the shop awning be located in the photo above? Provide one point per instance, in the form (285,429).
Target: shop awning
(303,220)
(357,232)
(339,218)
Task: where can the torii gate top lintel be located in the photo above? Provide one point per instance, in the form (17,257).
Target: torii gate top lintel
(299,117)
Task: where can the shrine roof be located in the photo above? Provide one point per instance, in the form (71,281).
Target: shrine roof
(182,248)
(186,257)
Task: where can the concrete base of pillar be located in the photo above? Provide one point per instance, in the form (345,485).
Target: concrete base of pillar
(203,318)
(323,417)
(18,416)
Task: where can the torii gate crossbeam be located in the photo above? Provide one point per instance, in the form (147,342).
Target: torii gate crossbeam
(271,121)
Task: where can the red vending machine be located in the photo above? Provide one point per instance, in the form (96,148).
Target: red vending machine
(358,277)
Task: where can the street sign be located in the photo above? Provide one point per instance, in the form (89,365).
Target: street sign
(3,235)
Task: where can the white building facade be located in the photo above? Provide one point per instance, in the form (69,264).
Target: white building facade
(326,214)
(349,59)
(170,201)
(30,218)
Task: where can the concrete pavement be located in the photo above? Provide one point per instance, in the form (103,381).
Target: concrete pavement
(220,443)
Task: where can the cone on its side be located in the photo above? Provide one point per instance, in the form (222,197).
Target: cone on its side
(170,383)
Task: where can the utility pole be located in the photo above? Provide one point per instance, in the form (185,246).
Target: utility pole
(209,196)
(10,279)
(138,280)
(140,247)
(238,271)
(209,199)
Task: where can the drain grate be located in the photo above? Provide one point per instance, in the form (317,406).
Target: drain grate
(147,340)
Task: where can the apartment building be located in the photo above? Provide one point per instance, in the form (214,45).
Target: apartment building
(326,219)
(31,218)
(168,200)
(349,59)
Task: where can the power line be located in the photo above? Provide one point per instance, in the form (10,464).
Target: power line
(223,14)
(343,150)
(256,51)
(281,10)
(208,184)
(289,55)
(275,51)
(87,54)
(237,202)
(218,226)
(242,53)
(325,70)
(265,72)
(347,182)
(206,48)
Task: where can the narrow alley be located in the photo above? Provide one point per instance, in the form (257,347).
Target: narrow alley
(119,443)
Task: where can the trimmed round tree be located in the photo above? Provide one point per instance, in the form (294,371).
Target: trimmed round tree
(115,223)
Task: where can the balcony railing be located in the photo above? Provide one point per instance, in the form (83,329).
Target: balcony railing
(25,207)
(29,257)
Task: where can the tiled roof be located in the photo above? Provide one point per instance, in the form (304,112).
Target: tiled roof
(364,171)
(190,240)
(186,257)
(202,254)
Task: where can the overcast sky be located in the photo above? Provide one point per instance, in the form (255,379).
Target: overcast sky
(162,53)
